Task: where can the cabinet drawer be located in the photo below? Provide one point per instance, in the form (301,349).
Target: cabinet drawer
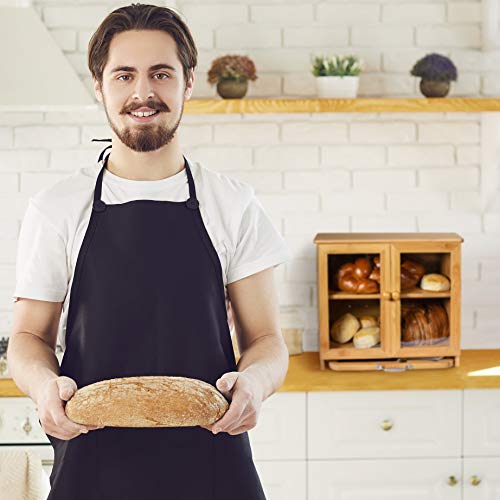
(19,422)
(280,432)
(373,424)
(481,478)
(481,418)
(283,480)
(403,479)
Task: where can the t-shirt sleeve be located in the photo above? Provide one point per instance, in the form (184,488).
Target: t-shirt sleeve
(259,244)
(41,263)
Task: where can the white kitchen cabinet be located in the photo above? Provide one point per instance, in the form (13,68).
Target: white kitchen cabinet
(355,445)
(280,433)
(387,479)
(481,478)
(481,422)
(376,424)
(283,480)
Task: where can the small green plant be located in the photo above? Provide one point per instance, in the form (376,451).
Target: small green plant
(336,65)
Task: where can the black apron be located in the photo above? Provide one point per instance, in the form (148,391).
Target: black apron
(148,299)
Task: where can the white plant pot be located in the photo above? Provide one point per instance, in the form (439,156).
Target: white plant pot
(337,86)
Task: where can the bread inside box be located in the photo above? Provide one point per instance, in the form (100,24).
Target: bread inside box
(425,322)
(433,262)
(357,307)
(335,261)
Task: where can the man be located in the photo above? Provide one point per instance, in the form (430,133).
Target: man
(138,250)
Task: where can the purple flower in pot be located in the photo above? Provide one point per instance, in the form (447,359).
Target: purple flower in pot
(436,72)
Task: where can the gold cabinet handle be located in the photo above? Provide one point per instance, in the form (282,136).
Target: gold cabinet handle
(386,295)
(27,428)
(396,295)
(475,480)
(452,480)
(386,425)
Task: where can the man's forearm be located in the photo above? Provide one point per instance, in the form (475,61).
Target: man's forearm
(267,360)
(31,362)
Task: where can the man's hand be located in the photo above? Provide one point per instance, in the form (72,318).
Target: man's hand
(51,402)
(245,395)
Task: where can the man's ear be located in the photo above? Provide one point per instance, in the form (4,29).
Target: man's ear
(97,90)
(189,85)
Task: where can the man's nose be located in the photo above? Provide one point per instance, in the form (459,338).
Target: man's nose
(142,88)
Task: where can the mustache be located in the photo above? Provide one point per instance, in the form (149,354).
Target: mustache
(151,105)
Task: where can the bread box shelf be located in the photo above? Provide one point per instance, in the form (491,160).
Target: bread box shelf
(388,301)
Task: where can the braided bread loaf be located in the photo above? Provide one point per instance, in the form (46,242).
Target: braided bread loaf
(363,275)
(358,277)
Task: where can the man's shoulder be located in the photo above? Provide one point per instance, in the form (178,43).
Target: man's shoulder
(64,200)
(67,187)
(222,186)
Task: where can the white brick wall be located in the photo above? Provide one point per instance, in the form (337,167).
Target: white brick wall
(313,173)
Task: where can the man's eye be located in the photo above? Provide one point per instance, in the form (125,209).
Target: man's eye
(157,74)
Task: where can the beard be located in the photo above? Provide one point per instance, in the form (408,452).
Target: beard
(146,137)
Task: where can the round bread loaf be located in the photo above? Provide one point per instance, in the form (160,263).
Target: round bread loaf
(147,401)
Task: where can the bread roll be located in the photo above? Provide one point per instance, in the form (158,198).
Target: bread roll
(366,337)
(368,321)
(435,282)
(147,401)
(344,328)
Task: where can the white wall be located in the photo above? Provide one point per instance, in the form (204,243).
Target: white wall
(313,173)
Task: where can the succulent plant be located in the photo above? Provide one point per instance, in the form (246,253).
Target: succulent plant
(336,65)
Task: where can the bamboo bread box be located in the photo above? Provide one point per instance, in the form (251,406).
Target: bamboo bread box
(388,301)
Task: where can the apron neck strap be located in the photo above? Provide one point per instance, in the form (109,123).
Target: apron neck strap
(192,201)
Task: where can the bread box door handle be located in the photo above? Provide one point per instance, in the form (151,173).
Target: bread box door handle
(408,366)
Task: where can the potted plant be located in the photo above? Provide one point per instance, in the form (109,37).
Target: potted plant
(337,76)
(231,74)
(436,72)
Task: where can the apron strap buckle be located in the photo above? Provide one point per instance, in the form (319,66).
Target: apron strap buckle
(192,203)
(99,206)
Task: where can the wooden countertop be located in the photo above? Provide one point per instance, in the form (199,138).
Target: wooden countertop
(479,369)
(304,374)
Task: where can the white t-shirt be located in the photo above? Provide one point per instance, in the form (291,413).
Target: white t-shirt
(57,217)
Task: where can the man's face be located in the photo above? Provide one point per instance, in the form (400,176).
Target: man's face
(143,73)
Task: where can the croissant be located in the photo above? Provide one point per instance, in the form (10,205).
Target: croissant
(357,277)
(421,323)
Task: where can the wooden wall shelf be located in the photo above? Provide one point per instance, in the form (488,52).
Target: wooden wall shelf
(358,105)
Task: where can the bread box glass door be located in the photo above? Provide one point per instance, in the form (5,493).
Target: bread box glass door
(353,309)
(425,293)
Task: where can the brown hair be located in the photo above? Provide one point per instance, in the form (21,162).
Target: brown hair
(138,16)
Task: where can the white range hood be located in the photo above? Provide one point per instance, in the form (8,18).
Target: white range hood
(35,74)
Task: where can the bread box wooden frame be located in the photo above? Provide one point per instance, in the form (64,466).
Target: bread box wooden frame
(443,253)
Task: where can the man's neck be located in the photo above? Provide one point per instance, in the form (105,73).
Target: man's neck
(149,166)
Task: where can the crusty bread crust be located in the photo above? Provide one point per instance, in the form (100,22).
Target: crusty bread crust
(147,401)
